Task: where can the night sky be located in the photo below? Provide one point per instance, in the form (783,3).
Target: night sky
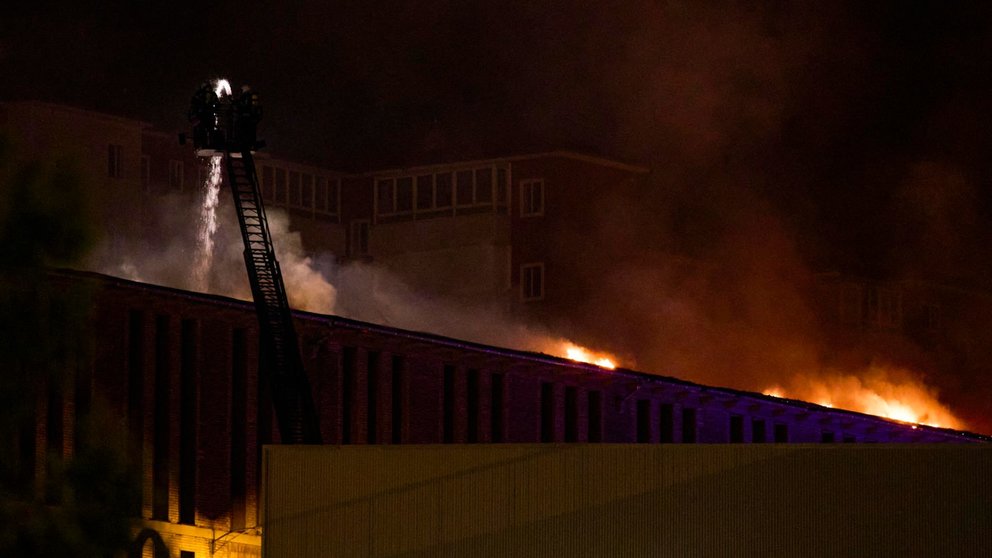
(860,125)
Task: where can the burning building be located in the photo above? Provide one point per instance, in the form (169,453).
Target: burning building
(178,369)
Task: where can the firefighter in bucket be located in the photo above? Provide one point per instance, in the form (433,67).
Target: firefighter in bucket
(222,122)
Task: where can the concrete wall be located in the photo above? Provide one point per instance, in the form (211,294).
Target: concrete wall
(626,500)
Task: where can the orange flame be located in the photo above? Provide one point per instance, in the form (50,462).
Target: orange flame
(575,352)
(885,392)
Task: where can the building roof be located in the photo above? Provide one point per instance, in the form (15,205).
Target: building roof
(619,373)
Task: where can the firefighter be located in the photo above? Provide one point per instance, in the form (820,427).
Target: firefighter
(201,114)
(248,113)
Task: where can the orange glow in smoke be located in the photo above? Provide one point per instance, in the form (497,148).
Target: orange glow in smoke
(879,391)
(572,351)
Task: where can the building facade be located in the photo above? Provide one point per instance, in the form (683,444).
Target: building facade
(179,371)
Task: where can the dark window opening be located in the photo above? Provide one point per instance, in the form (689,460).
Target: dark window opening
(827,437)
(736,428)
(239,420)
(135,400)
(372,383)
(781,433)
(547,412)
(666,424)
(397,399)
(496,408)
(850,439)
(571,414)
(425,192)
(347,395)
(404,194)
(532,281)
(595,419)
(160,443)
(643,421)
(448,434)
(443,190)
(464,188)
(484,185)
(187,424)
(758,431)
(688,426)
(472,404)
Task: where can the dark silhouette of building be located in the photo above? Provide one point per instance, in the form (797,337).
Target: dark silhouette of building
(179,370)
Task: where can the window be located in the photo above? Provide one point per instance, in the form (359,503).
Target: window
(501,190)
(425,192)
(347,392)
(595,426)
(758,431)
(135,399)
(643,421)
(372,392)
(547,412)
(146,171)
(421,193)
(239,434)
(385,200)
(736,429)
(333,195)
(496,408)
(532,281)
(294,189)
(160,443)
(666,424)
(187,422)
(443,190)
(781,433)
(175,174)
(571,414)
(464,188)
(448,426)
(115,165)
(531,198)
(307,192)
(484,185)
(397,399)
(472,406)
(688,426)
(359,242)
(827,437)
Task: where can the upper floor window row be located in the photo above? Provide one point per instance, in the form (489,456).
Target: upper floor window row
(301,190)
(442,191)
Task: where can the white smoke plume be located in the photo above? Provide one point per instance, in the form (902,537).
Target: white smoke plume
(173,255)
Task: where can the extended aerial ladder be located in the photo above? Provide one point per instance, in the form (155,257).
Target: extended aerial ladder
(225,127)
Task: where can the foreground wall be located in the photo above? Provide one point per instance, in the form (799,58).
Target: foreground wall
(627,500)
